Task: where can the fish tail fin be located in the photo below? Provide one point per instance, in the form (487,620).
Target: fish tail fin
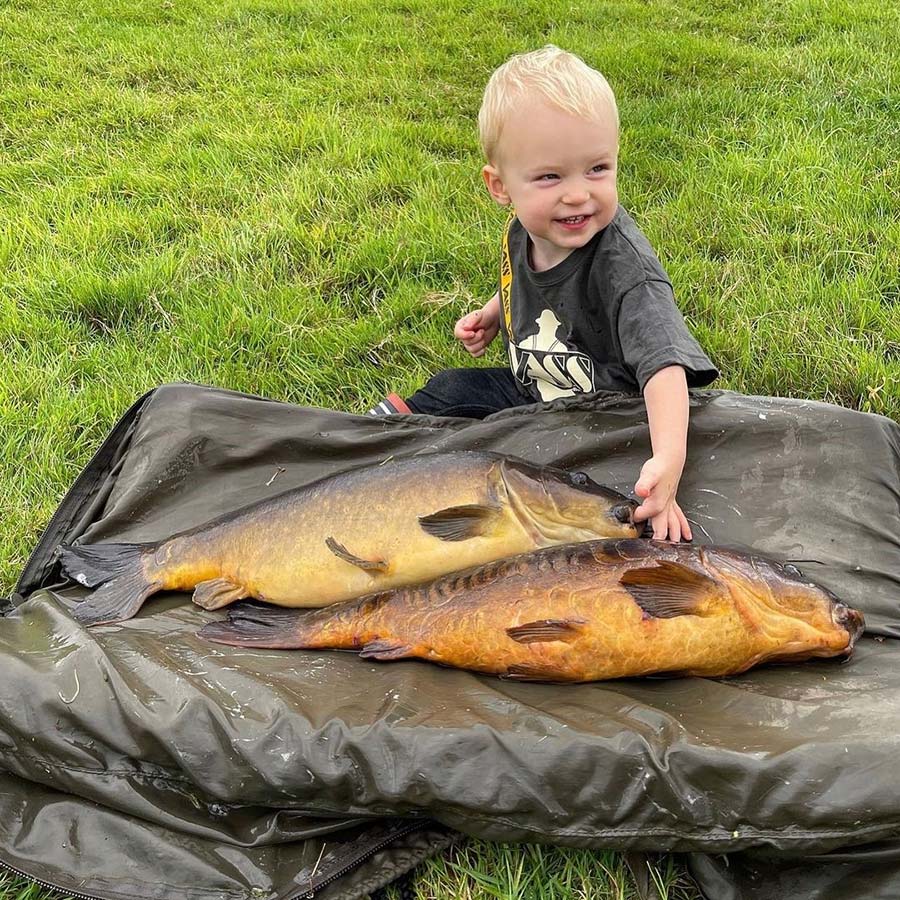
(276,628)
(94,564)
(118,573)
(114,601)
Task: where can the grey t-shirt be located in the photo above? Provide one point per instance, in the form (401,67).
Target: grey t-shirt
(603,319)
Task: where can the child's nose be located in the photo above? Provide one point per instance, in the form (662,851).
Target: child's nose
(575,196)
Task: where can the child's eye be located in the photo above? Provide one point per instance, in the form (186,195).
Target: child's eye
(600,168)
(548,175)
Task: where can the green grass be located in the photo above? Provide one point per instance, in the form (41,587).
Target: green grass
(284,198)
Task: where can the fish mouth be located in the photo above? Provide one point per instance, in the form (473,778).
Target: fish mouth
(851,620)
(623,512)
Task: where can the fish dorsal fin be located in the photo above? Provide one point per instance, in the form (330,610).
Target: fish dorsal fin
(367,565)
(547,630)
(670,589)
(459,523)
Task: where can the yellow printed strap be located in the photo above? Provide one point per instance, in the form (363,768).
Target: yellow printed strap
(506,277)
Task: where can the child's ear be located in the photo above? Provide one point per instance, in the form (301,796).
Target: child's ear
(495,185)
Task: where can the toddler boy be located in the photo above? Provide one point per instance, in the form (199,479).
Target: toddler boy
(584,304)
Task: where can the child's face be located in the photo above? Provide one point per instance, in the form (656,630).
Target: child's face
(553,166)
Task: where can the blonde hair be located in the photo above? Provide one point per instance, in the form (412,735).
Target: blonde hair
(561,78)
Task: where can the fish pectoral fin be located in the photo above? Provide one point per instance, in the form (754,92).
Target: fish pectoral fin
(218,592)
(459,523)
(384,649)
(547,630)
(368,565)
(670,589)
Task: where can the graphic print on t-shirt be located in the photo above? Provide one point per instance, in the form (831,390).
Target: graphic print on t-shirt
(543,360)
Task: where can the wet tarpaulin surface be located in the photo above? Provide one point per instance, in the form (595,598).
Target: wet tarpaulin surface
(262,770)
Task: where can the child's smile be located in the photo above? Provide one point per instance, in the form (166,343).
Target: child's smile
(559,172)
(574,223)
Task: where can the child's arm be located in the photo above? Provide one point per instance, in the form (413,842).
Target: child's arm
(477,329)
(666,397)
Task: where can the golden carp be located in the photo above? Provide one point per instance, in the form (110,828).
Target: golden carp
(368,529)
(580,612)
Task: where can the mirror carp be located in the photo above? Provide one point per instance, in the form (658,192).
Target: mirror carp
(364,530)
(580,612)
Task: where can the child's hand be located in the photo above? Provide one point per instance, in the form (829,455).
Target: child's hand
(656,487)
(477,329)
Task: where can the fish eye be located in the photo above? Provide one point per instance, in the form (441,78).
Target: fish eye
(579,478)
(792,571)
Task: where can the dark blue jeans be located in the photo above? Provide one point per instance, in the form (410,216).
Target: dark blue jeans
(471,393)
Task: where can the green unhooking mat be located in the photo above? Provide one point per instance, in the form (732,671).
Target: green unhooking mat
(137,760)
